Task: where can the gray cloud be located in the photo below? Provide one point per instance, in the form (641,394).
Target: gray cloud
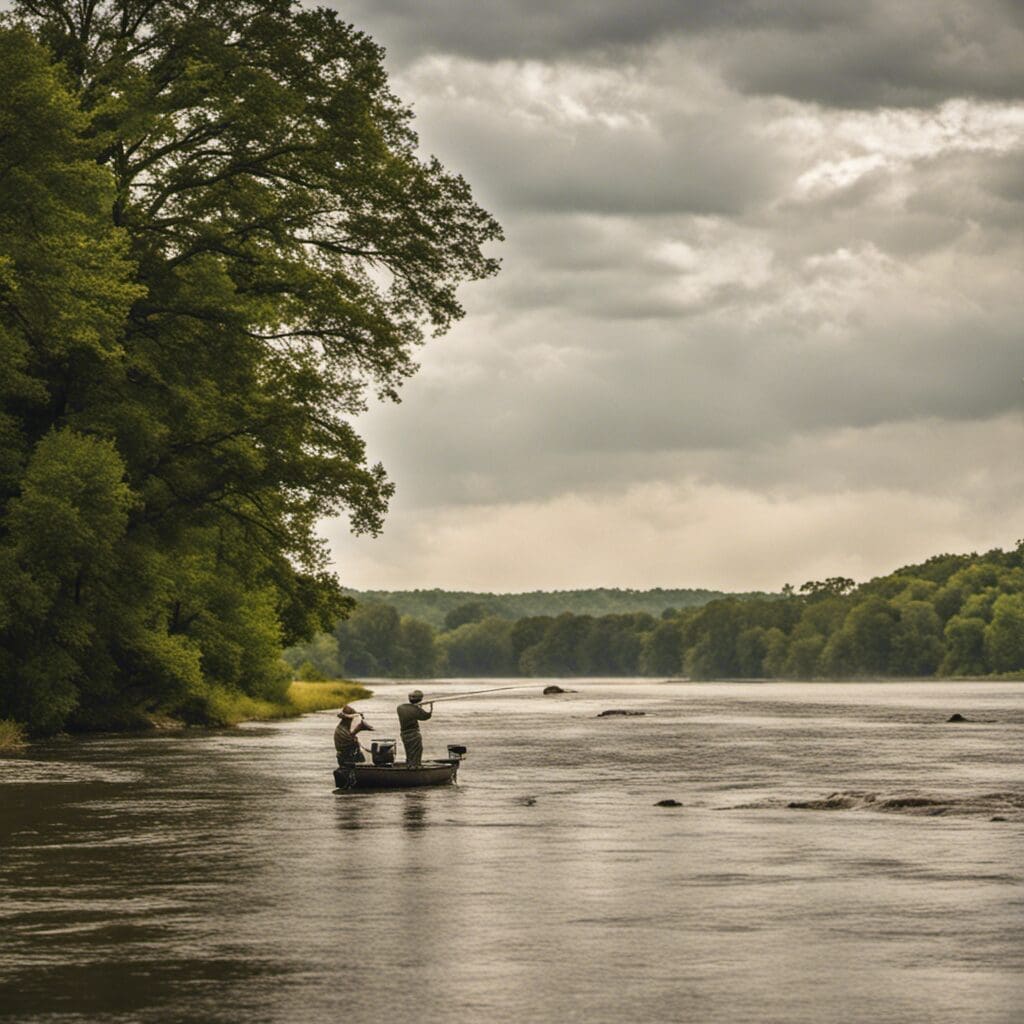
(763,277)
(536,29)
(912,53)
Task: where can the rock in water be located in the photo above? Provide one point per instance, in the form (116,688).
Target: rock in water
(668,803)
(621,711)
(957,718)
(557,689)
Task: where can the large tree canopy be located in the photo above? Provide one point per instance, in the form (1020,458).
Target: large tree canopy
(216,240)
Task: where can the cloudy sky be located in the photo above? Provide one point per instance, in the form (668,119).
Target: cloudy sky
(761,315)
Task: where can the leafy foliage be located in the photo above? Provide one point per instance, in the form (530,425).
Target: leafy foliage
(449,609)
(956,615)
(216,240)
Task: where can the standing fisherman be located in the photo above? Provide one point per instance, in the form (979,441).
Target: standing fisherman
(409,717)
(345,743)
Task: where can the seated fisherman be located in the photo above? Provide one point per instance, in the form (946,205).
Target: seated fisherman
(345,742)
(409,717)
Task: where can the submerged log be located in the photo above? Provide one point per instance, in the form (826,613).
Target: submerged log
(668,803)
(557,689)
(621,711)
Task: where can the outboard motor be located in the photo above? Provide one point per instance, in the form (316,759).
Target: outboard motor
(383,751)
(456,751)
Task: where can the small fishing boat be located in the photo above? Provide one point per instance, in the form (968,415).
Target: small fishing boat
(386,773)
(396,776)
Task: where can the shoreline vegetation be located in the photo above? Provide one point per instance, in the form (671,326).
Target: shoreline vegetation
(952,616)
(218,239)
(302,697)
(232,708)
(12,736)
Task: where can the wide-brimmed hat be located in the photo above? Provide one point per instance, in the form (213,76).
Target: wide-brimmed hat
(416,695)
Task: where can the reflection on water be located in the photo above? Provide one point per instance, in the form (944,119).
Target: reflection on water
(217,877)
(414,813)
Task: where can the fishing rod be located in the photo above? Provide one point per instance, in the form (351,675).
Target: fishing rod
(475,693)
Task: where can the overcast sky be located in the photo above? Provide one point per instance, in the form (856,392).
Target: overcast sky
(761,313)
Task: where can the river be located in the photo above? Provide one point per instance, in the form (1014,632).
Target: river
(216,876)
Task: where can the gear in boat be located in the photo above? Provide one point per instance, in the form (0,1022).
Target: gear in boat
(387,773)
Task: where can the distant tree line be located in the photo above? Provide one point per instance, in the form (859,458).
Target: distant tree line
(435,606)
(953,615)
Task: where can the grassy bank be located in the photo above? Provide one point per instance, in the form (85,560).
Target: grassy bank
(226,707)
(12,736)
(229,707)
(321,696)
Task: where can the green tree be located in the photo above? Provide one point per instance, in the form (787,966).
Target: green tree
(417,649)
(558,652)
(64,503)
(834,586)
(526,634)
(368,640)
(216,240)
(751,647)
(948,601)
(917,641)
(1004,635)
(662,652)
(480,648)
(710,638)
(60,570)
(613,644)
(471,611)
(871,627)
(320,655)
(964,638)
(776,651)
(803,657)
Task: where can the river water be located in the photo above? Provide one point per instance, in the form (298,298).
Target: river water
(218,877)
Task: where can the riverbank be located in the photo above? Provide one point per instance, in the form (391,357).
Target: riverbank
(230,708)
(227,707)
(324,696)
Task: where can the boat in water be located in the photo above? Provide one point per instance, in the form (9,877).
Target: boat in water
(386,773)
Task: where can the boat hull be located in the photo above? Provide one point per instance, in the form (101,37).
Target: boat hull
(396,776)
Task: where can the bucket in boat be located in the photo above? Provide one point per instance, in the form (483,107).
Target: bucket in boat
(383,751)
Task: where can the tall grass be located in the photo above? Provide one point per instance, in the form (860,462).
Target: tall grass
(12,736)
(321,696)
(228,707)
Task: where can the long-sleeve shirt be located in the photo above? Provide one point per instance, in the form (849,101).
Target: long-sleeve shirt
(345,741)
(409,718)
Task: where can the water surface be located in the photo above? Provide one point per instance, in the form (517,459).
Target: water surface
(217,877)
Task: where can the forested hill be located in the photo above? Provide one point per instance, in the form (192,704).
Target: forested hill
(434,606)
(953,615)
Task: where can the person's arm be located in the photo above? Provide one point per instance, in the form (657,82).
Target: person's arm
(424,714)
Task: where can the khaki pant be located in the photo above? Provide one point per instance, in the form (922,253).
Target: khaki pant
(413,743)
